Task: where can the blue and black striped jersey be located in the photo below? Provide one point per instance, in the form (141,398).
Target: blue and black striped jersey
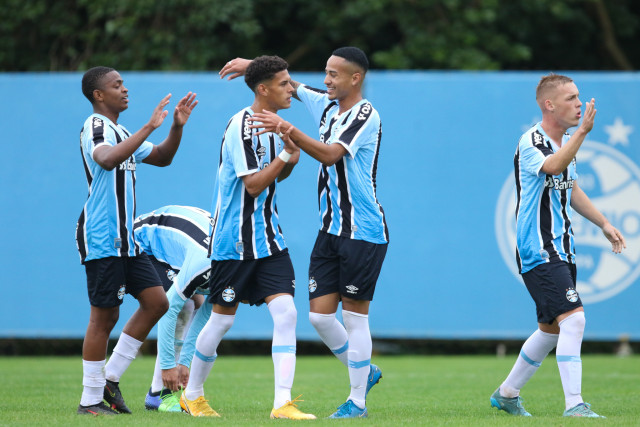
(244,227)
(179,237)
(105,226)
(543,203)
(347,190)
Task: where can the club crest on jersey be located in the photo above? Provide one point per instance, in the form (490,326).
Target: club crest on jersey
(572,295)
(121,292)
(228,295)
(312,285)
(352,289)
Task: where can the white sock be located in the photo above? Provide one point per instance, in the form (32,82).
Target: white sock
(533,352)
(123,353)
(568,357)
(206,346)
(156,384)
(360,346)
(283,347)
(332,333)
(93,382)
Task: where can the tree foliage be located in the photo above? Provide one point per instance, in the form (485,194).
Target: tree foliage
(59,35)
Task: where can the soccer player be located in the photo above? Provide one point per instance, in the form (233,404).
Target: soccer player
(352,242)
(249,258)
(176,239)
(104,234)
(547,194)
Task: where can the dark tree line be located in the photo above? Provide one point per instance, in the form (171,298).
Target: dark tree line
(70,35)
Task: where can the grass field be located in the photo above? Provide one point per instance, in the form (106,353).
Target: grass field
(415,390)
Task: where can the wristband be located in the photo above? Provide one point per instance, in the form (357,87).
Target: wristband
(284,156)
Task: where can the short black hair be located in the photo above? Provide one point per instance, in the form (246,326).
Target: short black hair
(263,68)
(91,80)
(353,54)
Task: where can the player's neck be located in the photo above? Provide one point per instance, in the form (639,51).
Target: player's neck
(349,101)
(108,114)
(259,107)
(553,130)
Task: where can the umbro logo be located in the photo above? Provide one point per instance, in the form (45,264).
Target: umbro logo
(352,289)
(261,151)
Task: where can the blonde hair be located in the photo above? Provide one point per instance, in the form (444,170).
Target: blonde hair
(548,83)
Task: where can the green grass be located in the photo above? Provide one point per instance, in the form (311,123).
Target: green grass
(415,390)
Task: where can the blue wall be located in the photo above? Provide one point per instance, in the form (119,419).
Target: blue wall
(444,180)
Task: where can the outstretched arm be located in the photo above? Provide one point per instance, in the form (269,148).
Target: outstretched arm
(582,204)
(108,157)
(237,67)
(327,154)
(162,154)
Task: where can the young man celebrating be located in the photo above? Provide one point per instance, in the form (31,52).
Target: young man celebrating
(113,261)
(352,242)
(176,238)
(249,258)
(547,193)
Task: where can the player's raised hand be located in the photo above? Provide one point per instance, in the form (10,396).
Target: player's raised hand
(589,116)
(184,108)
(159,113)
(268,122)
(234,68)
(615,237)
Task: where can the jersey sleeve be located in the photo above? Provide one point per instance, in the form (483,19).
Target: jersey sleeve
(363,129)
(167,330)
(238,143)
(96,134)
(199,320)
(316,100)
(533,152)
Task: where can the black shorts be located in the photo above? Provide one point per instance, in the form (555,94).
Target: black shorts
(553,288)
(346,266)
(108,279)
(165,272)
(233,281)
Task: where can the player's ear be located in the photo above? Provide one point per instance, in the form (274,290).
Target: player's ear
(97,95)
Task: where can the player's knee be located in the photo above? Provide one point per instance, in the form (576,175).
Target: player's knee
(225,322)
(320,321)
(573,324)
(287,316)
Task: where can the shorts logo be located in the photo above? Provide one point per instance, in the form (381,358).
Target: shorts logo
(171,274)
(293,284)
(572,295)
(121,292)
(351,289)
(312,285)
(228,294)
(612,182)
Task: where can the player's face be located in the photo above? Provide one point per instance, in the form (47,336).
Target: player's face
(112,93)
(279,91)
(339,77)
(566,103)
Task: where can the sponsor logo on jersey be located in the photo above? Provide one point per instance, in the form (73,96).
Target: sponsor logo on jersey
(612,182)
(558,183)
(364,112)
(228,295)
(127,165)
(97,122)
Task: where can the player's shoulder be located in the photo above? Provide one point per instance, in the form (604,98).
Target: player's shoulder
(533,137)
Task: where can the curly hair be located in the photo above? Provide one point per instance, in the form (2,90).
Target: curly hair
(263,68)
(91,80)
